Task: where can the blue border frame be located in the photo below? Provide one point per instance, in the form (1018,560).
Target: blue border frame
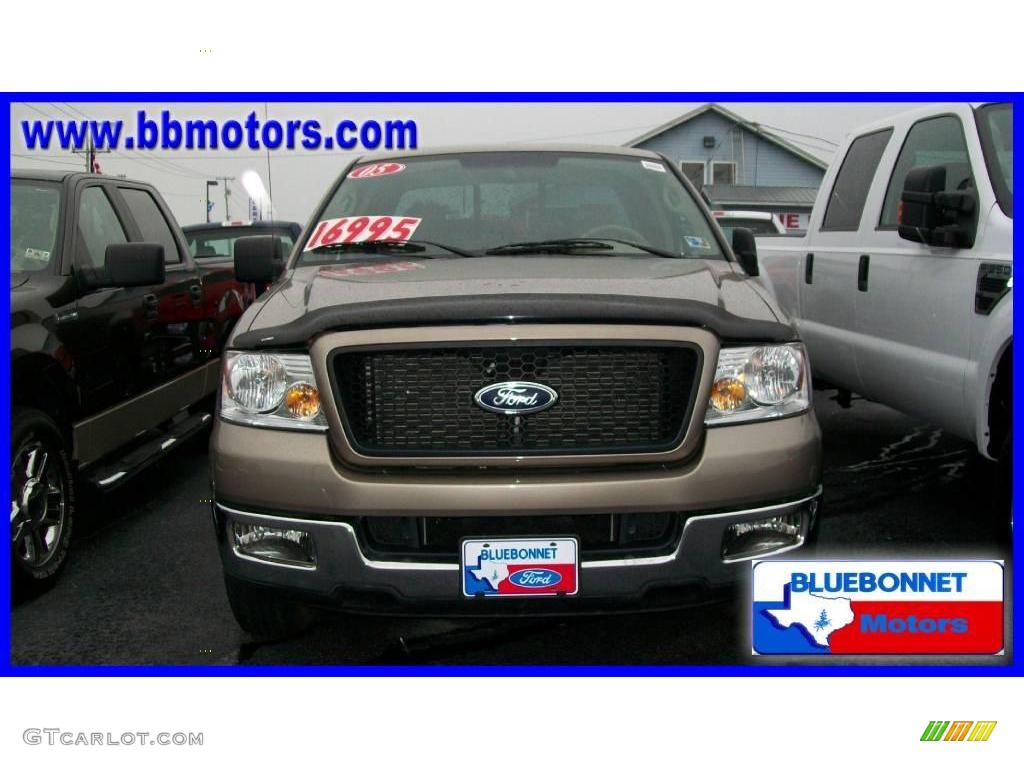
(1016,668)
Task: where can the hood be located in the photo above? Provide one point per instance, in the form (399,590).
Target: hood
(465,285)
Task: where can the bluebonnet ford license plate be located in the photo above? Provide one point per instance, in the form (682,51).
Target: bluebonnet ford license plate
(520,567)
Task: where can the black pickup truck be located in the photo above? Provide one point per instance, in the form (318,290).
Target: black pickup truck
(115,345)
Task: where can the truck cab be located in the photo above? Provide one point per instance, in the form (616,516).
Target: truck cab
(115,335)
(902,287)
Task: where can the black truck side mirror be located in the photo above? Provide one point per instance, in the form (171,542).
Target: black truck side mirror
(258,259)
(745,248)
(126,265)
(930,215)
(134,264)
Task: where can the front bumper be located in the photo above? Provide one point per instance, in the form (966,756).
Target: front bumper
(345,577)
(292,480)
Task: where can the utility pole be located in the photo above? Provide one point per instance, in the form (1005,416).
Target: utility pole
(90,152)
(210,183)
(227,191)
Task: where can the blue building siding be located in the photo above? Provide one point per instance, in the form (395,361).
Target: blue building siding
(758,162)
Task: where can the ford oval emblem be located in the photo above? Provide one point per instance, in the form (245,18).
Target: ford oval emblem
(535,578)
(515,398)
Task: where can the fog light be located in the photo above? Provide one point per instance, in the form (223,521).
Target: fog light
(278,545)
(764,536)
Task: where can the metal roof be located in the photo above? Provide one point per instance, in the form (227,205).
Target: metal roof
(733,194)
(753,128)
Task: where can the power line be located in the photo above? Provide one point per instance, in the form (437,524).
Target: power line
(35,109)
(45,159)
(73,108)
(824,150)
(794,133)
(172,167)
(62,111)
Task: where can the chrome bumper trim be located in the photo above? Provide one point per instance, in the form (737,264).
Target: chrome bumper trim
(341,563)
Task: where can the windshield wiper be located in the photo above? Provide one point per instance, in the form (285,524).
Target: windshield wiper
(567,244)
(393,246)
(549,246)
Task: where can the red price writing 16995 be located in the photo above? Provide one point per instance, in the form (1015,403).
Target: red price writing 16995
(361,229)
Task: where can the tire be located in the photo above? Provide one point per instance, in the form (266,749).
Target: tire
(42,502)
(264,613)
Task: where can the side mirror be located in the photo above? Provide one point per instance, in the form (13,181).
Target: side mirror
(128,265)
(930,215)
(745,248)
(258,259)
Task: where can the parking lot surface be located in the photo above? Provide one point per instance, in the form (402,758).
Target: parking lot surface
(144,586)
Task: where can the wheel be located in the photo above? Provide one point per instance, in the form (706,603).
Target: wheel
(265,614)
(42,501)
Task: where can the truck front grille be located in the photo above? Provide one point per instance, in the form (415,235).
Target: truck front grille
(419,400)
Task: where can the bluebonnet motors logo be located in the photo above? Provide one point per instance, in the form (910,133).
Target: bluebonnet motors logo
(884,607)
(519,567)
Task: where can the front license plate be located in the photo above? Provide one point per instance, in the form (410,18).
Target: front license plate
(519,567)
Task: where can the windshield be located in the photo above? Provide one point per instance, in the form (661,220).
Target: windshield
(995,126)
(476,202)
(35,211)
(214,243)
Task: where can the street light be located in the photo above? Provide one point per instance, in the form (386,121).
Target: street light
(211,183)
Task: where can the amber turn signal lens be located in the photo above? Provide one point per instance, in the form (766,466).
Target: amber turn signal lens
(302,401)
(728,394)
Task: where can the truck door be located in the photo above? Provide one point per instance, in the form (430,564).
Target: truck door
(828,285)
(105,332)
(174,332)
(915,302)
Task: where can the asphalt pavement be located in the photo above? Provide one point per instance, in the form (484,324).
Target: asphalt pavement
(144,587)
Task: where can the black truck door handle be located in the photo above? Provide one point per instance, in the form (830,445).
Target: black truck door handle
(862,273)
(151,304)
(197,293)
(809,269)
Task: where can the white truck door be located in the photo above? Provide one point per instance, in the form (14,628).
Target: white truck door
(915,302)
(828,285)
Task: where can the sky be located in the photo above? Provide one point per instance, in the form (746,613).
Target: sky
(299,179)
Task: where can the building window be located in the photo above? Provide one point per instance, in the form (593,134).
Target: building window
(723,173)
(694,171)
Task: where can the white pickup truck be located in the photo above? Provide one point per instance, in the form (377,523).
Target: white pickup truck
(902,286)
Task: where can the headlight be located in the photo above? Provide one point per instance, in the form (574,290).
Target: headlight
(764,382)
(271,390)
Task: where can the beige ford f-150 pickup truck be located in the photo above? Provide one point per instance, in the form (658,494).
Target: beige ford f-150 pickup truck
(507,381)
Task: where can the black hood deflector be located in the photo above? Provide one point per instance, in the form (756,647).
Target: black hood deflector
(516,308)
